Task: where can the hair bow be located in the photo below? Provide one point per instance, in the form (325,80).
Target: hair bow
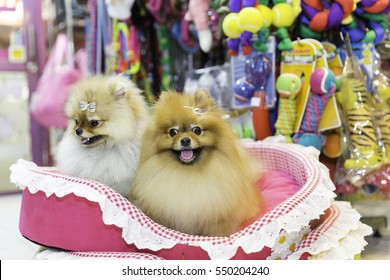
(87,106)
(198,111)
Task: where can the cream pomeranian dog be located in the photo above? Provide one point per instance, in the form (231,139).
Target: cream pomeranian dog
(194,176)
(107,117)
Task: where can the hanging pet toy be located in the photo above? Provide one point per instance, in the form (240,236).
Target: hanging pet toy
(124,45)
(240,25)
(283,16)
(362,140)
(319,16)
(288,86)
(323,86)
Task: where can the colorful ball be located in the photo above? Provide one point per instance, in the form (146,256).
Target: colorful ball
(267,15)
(230,26)
(310,140)
(247,132)
(250,19)
(283,15)
(288,85)
(332,147)
(322,81)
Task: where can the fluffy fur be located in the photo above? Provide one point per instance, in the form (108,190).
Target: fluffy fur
(194,176)
(104,145)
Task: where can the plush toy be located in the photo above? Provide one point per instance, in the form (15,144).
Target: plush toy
(362,144)
(323,85)
(198,13)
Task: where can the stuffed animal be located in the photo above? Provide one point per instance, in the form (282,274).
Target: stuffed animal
(198,13)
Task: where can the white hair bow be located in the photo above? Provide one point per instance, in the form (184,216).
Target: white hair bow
(83,106)
(198,111)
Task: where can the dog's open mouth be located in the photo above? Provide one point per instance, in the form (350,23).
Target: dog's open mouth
(188,156)
(91,140)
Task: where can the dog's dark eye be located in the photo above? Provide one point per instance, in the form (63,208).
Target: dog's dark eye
(172,132)
(197,130)
(94,123)
(76,122)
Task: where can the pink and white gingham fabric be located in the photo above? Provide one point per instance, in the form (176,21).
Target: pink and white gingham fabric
(61,255)
(308,203)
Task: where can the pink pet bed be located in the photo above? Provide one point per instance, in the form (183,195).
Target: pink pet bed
(301,219)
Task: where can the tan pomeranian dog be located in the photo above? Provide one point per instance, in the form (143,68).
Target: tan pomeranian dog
(194,176)
(107,117)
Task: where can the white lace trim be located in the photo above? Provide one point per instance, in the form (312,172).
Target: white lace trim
(143,237)
(342,241)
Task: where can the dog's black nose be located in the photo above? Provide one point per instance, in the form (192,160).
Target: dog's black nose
(185,141)
(79,131)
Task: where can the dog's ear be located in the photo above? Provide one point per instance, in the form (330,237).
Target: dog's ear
(119,90)
(165,95)
(201,95)
(204,100)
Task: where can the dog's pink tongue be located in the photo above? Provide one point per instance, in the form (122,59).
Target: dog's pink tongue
(187,154)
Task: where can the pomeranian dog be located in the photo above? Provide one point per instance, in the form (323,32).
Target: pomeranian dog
(107,117)
(194,176)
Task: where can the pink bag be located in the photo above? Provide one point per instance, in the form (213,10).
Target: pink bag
(59,75)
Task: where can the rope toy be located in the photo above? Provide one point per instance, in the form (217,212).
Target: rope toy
(288,86)
(366,27)
(315,17)
(323,86)
(320,15)
(124,43)
(375,7)
(363,21)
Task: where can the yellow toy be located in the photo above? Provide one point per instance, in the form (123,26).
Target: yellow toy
(283,16)
(381,108)
(381,115)
(250,19)
(245,19)
(230,26)
(288,86)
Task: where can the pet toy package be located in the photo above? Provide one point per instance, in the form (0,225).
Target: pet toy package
(365,54)
(215,79)
(301,220)
(362,173)
(241,121)
(312,110)
(253,78)
(300,61)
